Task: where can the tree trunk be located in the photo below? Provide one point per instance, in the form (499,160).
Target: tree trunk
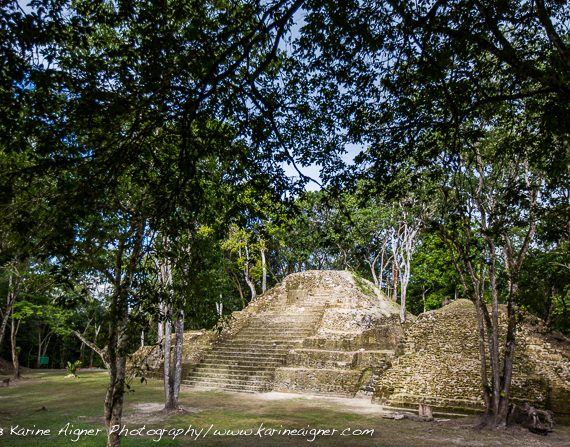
(404,251)
(493,336)
(82,347)
(395,281)
(178,351)
(403,290)
(372,266)
(43,345)
(10,300)
(503,411)
(114,399)
(97,330)
(14,326)
(172,382)
(118,332)
(248,279)
(264,271)
(237,284)
(160,325)
(39,349)
(117,353)
(166,364)
(103,353)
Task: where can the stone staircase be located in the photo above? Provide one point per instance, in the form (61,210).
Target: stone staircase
(247,361)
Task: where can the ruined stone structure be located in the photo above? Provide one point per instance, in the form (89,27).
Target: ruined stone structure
(332,332)
(318,331)
(439,365)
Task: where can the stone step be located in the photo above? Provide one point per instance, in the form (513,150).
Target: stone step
(235,375)
(258,352)
(235,384)
(233,358)
(199,386)
(244,349)
(288,310)
(229,369)
(281,318)
(238,356)
(267,341)
(271,337)
(227,387)
(286,313)
(271,330)
(225,364)
(274,334)
(244,354)
(223,382)
(242,343)
(290,323)
(300,314)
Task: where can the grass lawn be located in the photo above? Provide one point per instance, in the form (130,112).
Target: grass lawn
(47,400)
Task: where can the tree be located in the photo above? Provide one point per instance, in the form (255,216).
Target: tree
(240,243)
(170,309)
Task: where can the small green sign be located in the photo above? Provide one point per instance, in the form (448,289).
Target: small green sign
(44,361)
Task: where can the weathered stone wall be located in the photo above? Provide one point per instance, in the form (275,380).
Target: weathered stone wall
(440,365)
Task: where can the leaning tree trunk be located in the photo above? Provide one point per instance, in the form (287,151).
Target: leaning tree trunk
(97,330)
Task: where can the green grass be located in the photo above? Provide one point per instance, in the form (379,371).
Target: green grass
(50,401)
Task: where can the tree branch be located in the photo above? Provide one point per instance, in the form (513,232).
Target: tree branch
(101,352)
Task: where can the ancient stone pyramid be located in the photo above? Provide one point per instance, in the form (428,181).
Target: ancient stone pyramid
(318,331)
(333,332)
